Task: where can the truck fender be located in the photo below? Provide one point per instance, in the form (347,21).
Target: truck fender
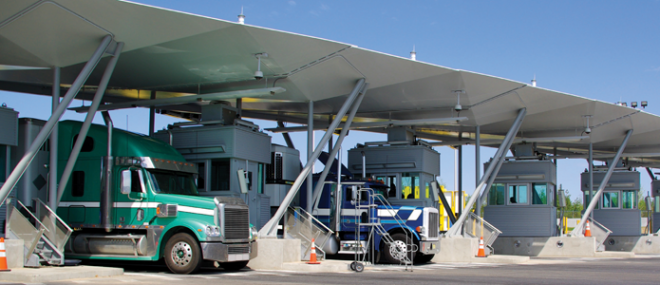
(407,228)
(174,227)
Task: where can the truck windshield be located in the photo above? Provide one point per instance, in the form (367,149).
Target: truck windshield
(169,182)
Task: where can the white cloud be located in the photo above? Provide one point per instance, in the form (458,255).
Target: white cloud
(655,69)
(325,7)
(292,3)
(313,12)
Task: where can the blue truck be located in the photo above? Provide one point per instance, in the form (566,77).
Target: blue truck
(357,206)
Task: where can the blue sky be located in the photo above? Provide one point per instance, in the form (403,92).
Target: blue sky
(606,50)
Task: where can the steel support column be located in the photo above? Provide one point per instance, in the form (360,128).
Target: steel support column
(38,142)
(152,115)
(310,150)
(460,177)
(82,134)
(577,231)
(270,230)
(286,136)
(477,160)
(344,131)
(52,165)
(591,171)
(501,152)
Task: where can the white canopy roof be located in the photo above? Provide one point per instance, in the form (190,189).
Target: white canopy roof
(179,54)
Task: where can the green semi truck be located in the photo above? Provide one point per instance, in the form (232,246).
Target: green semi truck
(137,200)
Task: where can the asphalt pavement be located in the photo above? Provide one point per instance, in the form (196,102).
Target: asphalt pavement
(639,270)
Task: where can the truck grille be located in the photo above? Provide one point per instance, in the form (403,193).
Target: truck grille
(237,224)
(238,249)
(434,225)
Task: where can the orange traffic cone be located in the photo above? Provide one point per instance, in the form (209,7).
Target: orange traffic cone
(482,251)
(312,255)
(3,256)
(587,230)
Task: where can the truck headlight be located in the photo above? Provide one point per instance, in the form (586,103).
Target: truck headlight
(253,233)
(212,231)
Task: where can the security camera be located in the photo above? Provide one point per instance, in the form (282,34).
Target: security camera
(258,75)
(587,130)
(458,107)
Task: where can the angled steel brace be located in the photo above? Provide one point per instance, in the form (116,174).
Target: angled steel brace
(500,154)
(48,127)
(270,229)
(73,157)
(333,153)
(577,231)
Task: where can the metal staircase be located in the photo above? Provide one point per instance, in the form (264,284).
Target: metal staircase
(299,224)
(44,233)
(400,250)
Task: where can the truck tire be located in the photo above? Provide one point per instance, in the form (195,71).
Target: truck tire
(392,253)
(182,254)
(234,266)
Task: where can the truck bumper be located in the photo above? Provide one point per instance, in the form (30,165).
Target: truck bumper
(429,247)
(222,252)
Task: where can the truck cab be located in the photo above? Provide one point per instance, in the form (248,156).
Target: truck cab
(141,203)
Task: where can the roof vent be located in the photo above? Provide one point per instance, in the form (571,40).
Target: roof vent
(413,54)
(534,81)
(241,17)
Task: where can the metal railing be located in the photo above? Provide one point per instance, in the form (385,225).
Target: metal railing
(600,232)
(476,227)
(58,231)
(300,224)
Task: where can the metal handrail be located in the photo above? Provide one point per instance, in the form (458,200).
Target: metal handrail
(54,214)
(316,220)
(35,218)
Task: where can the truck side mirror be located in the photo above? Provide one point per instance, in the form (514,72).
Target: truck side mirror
(354,193)
(126,182)
(436,190)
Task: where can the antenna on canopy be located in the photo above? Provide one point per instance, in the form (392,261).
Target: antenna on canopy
(413,54)
(241,17)
(534,81)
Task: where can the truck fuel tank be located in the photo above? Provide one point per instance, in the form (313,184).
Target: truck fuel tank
(108,244)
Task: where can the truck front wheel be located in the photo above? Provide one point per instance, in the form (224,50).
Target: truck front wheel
(182,254)
(399,250)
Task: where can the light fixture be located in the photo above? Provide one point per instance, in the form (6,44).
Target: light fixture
(587,130)
(624,104)
(259,74)
(458,106)
(633,104)
(644,104)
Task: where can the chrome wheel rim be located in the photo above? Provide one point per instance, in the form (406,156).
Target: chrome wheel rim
(181,253)
(398,249)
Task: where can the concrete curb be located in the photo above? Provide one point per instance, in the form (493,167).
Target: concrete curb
(325,266)
(47,274)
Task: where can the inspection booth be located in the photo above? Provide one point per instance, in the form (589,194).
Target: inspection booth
(220,145)
(521,200)
(8,143)
(521,203)
(655,190)
(403,163)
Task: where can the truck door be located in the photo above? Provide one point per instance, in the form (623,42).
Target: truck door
(131,201)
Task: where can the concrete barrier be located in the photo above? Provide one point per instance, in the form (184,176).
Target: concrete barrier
(15,249)
(546,246)
(273,253)
(646,244)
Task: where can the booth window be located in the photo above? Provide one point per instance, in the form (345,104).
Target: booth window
(518,194)
(496,194)
(539,194)
(628,199)
(611,200)
(220,175)
(588,200)
(391,182)
(410,186)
